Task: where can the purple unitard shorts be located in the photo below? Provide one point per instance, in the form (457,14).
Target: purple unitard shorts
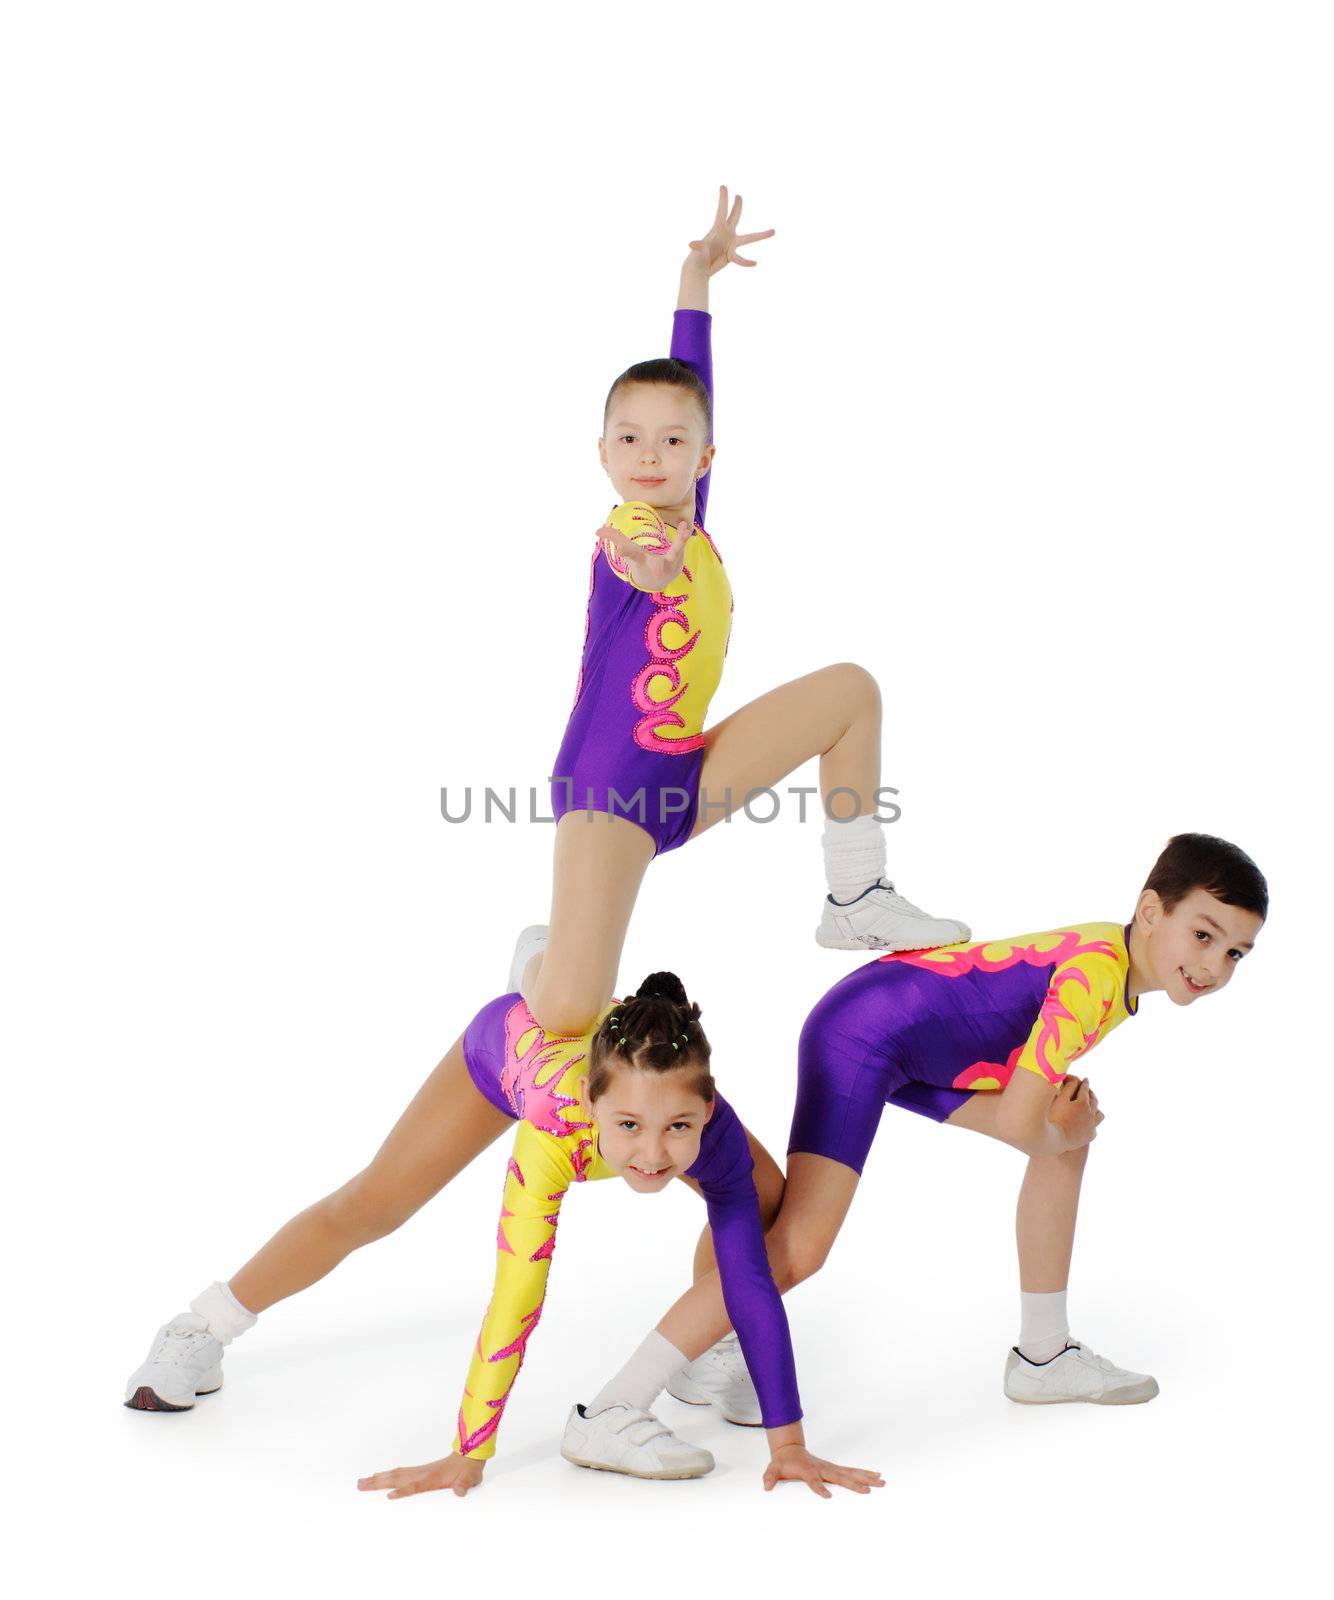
(891,1033)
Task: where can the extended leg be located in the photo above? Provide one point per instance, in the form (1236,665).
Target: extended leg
(447,1123)
(600,863)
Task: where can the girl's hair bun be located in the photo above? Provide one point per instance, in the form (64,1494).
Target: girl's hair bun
(662,986)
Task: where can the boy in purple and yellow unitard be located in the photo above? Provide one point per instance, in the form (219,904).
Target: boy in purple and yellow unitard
(986,1035)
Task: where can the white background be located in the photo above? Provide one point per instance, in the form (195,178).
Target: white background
(310,312)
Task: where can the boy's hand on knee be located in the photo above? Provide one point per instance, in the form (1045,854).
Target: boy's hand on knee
(1074,1110)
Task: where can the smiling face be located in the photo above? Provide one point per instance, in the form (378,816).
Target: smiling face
(656,446)
(1194,948)
(649,1124)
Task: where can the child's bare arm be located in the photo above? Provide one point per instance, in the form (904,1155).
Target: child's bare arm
(712,253)
(1033,1116)
(1045,1121)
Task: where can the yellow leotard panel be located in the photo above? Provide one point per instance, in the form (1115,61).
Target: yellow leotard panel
(555,1145)
(686,636)
(1085,999)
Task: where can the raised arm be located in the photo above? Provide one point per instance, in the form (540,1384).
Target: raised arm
(691,328)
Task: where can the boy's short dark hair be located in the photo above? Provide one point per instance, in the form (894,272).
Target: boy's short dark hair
(668,370)
(1199,861)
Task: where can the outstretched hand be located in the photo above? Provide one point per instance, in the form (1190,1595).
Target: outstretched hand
(720,244)
(456,1472)
(652,570)
(793,1463)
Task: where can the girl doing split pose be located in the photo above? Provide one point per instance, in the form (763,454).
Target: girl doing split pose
(634,1097)
(638,773)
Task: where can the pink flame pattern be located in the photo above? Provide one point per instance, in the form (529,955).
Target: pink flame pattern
(989,1074)
(470,1441)
(1054,1013)
(536,1099)
(953,961)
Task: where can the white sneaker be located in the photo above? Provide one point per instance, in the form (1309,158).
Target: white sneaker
(185,1361)
(881,919)
(621,1439)
(1076,1374)
(529,943)
(719,1378)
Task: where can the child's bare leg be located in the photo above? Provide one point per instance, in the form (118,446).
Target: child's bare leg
(446,1125)
(833,714)
(600,863)
(1045,1220)
(815,1202)
(769,1188)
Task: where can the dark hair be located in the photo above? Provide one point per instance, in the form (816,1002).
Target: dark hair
(656,1031)
(664,369)
(1199,861)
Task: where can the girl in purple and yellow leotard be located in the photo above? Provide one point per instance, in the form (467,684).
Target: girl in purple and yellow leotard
(639,771)
(633,1097)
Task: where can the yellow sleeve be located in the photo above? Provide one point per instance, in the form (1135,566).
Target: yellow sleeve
(536,1179)
(640,523)
(1078,1002)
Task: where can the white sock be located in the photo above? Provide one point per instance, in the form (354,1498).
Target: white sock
(1044,1329)
(224,1313)
(643,1377)
(854,856)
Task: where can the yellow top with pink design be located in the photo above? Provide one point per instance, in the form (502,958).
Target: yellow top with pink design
(1076,976)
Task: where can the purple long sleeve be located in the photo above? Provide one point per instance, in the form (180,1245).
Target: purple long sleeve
(724,1172)
(691,343)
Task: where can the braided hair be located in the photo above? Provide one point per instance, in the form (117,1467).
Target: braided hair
(657,1030)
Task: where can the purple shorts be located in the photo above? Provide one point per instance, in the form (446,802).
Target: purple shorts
(866,1045)
(483,1043)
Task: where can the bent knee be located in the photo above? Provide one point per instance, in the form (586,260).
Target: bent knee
(794,1259)
(856,684)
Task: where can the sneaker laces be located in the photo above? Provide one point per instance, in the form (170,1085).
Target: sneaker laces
(178,1342)
(900,903)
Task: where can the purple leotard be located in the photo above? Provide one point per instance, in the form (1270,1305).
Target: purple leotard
(634,743)
(929,1029)
(532,1077)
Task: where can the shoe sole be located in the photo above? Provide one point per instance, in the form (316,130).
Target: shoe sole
(830,942)
(1132,1395)
(708,1400)
(625,1472)
(146,1398)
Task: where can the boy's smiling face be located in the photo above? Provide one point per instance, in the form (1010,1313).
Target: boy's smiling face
(1194,948)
